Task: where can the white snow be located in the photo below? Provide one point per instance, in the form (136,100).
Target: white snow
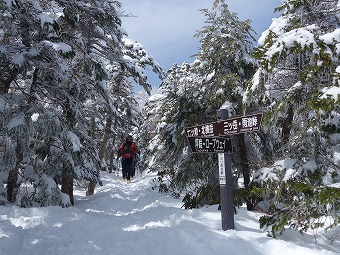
(332,92)
(128,219)
(303,36)
(156,97)
(335,185)
(44,18)
(74,140)
(131,43)
(276,27)
(256,80)
(310,165)
(35,117)
(229,106)
(332,37)
(220,91)
(63,47)
(210,76)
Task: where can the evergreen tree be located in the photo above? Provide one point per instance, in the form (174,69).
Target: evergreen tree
(28,37)
(148,130)
(298,58)
(193,94)
(225,60)
(181,105)
(57,60)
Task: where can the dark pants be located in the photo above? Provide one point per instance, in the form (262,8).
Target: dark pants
(127,168)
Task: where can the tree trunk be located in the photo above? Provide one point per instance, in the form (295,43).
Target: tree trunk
(7,76)
(92,184)
(67,173)
(287,124)
(112,157)
(245,167)
(5,83)
(12,180)
(102,150)
(12,185)
(67,182)
(105,139)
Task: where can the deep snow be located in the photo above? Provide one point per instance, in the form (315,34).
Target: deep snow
(132,218)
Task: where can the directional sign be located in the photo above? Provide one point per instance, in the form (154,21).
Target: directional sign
(242,124)
(231,126)
(205,130)
(210,144)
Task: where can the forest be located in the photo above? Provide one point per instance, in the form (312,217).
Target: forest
(67,76)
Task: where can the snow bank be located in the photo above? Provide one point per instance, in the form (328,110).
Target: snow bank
(131,219)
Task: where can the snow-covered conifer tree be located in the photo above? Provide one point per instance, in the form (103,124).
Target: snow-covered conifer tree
(57,60)
(193,94)
(297,86)
(180,105)
(226,63)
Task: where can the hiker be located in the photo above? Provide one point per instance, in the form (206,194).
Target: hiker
(128,151)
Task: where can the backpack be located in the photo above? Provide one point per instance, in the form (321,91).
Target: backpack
(128,150)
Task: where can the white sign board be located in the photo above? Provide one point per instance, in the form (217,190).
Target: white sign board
(221,168)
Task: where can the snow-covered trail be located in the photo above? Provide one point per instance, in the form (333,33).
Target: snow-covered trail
(131,218)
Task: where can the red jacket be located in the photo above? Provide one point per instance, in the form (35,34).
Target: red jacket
(127,150)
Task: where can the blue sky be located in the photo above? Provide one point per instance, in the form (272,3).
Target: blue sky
(166,28)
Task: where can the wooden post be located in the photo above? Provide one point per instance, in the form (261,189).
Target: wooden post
(226,183)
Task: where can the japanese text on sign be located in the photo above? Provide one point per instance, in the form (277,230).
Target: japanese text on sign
(227,127)
(210,144)
(203,130)
(221,168)
(242,124)
(221,164)
(206,143)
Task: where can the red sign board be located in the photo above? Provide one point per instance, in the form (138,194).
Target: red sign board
(231,126)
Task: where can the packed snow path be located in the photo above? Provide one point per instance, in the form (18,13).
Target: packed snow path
(132,218)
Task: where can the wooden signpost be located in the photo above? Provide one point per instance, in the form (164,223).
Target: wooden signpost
(224,127)
(214,138)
